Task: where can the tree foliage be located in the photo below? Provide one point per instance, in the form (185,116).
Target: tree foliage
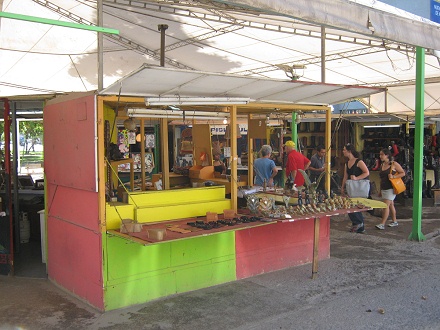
(32,132)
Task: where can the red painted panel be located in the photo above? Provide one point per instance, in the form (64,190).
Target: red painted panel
(75,260)
(264,249)
(73,205)
(69,143)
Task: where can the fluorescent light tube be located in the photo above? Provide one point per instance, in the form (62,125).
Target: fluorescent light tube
(170,100)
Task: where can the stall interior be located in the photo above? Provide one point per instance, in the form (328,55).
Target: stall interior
(200,150)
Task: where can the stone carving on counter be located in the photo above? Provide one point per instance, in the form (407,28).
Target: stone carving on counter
(252,202)
(317,203)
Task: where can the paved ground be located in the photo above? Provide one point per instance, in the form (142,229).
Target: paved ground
(378,280)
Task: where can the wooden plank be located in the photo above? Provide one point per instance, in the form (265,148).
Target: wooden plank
(315,248)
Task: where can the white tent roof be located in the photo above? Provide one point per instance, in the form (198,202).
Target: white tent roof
(165,82)
(361,46)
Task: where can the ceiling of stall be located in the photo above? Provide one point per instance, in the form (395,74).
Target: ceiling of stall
(261,39)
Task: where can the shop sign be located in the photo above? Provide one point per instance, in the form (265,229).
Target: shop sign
(221,129)
(435,11)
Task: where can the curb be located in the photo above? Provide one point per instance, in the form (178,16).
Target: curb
(432,234)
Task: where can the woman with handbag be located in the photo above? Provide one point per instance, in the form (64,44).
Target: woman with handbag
(355,170)
(389,170)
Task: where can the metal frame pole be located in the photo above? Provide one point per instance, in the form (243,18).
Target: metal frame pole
(416,233)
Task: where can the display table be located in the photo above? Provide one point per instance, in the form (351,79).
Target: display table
(142,236)
(262,244)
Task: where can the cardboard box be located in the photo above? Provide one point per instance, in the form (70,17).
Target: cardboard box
(201,172)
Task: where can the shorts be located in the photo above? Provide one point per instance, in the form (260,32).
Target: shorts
(388,194)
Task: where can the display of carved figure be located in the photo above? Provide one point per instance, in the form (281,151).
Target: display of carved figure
(311,187)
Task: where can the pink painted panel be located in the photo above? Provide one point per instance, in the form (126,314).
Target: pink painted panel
(268,248)
(72,205)
(75,260)
(69,143)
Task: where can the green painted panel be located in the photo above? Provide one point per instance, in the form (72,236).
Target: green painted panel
(181,211)
(138,273)
(129,259)
(139,291)
(202,248)
(204,276)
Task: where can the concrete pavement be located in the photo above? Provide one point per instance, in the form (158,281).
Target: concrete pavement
(375,281)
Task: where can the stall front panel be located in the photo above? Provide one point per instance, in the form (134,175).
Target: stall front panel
(279,246)
(138,273)
(73,225)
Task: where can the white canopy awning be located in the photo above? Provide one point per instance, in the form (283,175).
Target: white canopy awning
(367,17)
(165,82)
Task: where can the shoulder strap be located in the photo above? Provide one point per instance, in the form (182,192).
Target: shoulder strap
(391,167)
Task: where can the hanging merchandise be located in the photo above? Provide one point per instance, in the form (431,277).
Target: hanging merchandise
(131,137)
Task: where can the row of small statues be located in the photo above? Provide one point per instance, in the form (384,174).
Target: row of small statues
(318,202)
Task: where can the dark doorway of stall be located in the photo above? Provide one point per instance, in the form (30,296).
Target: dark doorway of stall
(29,258)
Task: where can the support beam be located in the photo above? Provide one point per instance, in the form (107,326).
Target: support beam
(250,156)
(57,23)
(165,154)
(234,157)
(100,47)
(142,133)
(416,233)
(322,54)
(294,128)
(328,153)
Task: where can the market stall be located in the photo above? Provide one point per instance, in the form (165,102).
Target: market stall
(87,253)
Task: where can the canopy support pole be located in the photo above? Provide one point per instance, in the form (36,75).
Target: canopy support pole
(322,53)
(328,153)
(234,157)
(416,233)
(294,128)
(100,47)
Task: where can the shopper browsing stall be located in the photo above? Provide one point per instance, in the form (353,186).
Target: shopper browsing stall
(317,164)
(388,170)
(356,170)
(295,161)
(264,167)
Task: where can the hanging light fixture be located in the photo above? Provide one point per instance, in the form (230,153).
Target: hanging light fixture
(130,124)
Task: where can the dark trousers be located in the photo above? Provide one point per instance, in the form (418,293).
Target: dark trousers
(356,218)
